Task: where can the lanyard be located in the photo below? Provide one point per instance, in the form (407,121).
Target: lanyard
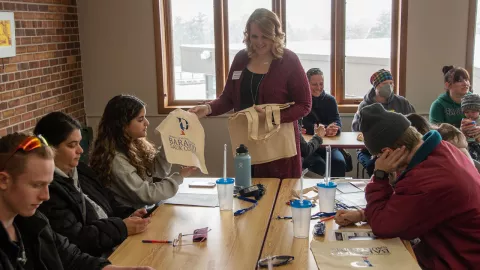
(243,211)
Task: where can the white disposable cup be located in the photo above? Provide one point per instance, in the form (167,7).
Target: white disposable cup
(301,216)
(225,193)
(326,196)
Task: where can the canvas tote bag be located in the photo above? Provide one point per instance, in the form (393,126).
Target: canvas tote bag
(183,139)
(354,254)
(267,139)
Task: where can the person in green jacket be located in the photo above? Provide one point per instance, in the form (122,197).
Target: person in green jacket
(447,107)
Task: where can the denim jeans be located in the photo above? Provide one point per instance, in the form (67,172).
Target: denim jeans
(365,158)
(316,163)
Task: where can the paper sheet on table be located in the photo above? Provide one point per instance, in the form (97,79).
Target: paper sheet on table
(360,184)
(356,199)
(192,199)
(347,188)
(381,254)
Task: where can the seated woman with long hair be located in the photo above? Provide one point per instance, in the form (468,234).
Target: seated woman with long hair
(80,208)
(130,165)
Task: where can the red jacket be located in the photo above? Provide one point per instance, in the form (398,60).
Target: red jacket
(285,82)
(437,200)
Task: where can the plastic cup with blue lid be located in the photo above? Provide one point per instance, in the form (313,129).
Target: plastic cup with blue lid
(301,216)
(326,196)
(225,193)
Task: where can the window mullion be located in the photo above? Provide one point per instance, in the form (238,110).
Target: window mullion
(339,54)
(220,41)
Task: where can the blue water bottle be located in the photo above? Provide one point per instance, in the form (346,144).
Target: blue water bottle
(243,174)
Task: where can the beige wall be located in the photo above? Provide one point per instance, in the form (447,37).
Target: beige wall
(437,36)
(119,57)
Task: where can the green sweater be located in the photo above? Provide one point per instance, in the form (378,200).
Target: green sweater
(445,110)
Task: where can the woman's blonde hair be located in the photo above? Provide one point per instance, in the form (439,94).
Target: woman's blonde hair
(452,135)
(271,28)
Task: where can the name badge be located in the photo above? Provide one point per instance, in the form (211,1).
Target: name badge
(236,75)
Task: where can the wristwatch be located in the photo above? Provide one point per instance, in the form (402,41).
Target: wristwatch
(381,175)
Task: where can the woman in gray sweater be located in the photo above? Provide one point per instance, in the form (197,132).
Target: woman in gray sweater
(126,161)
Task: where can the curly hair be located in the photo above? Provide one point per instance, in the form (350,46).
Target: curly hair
(271,28)
(120,110)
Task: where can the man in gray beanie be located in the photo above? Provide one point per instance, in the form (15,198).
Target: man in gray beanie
(382,128)
(428,199)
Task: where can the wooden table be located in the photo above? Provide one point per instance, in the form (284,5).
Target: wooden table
(280,240)
(346,140)
(233,242)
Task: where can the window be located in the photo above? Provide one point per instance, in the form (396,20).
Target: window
(309,35)
(193,50)
(238,13)
(367,43)
(348,40)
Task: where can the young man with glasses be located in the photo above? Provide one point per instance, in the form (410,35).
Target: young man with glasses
(26,239)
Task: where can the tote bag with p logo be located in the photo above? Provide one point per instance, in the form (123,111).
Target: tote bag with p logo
(183,139)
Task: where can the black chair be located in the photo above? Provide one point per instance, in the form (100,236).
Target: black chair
(363,170)
(87,138)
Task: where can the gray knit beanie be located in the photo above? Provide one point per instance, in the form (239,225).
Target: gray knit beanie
(471,102)
(381,128)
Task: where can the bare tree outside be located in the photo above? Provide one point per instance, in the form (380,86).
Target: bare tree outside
(308,34)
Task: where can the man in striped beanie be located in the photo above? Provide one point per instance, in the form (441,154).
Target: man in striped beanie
(381,92)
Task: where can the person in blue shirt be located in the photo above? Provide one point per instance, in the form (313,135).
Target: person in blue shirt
(324,112)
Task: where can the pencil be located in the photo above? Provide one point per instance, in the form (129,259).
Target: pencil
(157,241)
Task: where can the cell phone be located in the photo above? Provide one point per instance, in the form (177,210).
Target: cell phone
(150,211)
(202,184)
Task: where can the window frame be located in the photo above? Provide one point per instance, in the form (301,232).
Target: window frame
(164,51)
(472,25)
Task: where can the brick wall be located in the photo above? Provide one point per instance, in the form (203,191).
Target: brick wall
(46,73)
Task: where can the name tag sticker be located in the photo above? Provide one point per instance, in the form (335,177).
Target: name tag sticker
(236,75)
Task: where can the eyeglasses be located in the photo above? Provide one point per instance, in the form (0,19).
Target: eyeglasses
(275,261)
(27,145)
(199,235)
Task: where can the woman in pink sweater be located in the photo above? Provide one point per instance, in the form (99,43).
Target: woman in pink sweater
(265,72)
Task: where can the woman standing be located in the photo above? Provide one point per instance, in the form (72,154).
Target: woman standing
(265,72)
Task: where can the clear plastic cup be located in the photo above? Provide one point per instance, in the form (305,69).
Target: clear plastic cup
(301,215)
(225,193)
(326,196)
